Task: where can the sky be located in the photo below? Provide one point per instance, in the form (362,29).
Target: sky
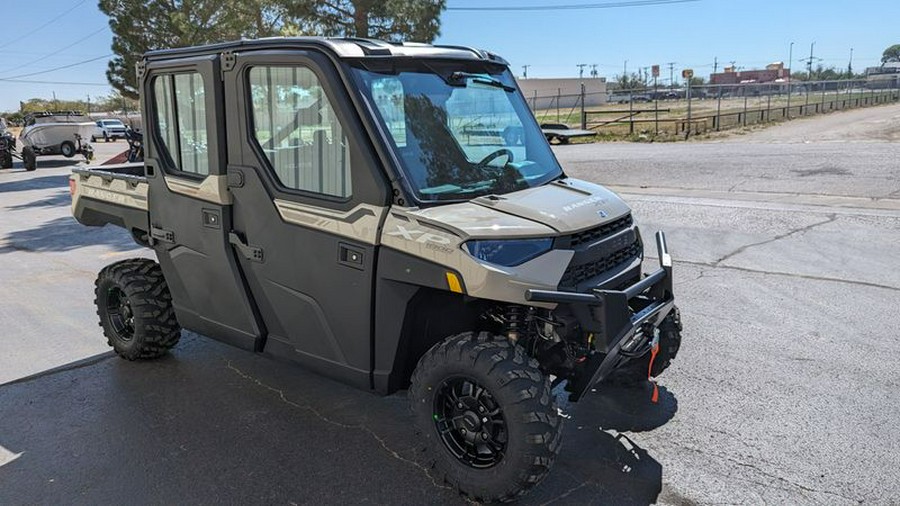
(693,34)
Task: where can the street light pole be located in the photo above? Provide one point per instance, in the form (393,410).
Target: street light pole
(790,78)
(850,65)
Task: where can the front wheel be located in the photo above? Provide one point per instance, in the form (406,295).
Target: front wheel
(135,309)
(486,416)
(29,158)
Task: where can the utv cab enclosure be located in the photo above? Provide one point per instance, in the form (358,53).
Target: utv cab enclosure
(360,207)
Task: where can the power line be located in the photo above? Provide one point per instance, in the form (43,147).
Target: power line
(13,78)
(24,81)
(607,5)
(53,53)
(58,17)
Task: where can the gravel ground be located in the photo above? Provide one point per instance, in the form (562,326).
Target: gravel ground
(784,392)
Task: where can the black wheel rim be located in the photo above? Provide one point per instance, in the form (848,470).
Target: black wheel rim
(120,314)
(470,422)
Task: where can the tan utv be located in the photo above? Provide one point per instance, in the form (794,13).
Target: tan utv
(391,216)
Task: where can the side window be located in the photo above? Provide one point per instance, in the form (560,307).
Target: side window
(297,129)
(181,121)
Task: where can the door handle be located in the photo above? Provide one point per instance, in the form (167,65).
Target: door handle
(351,256)
(252,253)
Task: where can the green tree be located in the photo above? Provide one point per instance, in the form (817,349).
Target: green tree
(44,105)
(395,20)
(891,54)
(630,82)
(139,26)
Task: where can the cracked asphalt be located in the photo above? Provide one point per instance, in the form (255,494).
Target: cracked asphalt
(785,390)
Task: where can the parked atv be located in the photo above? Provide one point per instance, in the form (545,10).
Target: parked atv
(7,146)
(326,200)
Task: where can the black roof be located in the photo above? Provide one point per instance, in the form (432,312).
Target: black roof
(340,47)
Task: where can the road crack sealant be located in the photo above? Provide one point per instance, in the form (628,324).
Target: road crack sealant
(361,427)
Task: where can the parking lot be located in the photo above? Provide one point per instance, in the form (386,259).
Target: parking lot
(785,390)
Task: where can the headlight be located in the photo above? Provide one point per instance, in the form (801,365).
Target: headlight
(509,253)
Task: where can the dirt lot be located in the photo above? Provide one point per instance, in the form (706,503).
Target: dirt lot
(880,124)
(785,390)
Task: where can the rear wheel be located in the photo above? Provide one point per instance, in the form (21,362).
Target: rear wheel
(29,158)
(486,416)
(135,309)
(67,149)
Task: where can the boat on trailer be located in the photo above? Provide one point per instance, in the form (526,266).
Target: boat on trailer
(57,133)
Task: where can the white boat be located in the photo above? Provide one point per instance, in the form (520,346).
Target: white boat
(57,133)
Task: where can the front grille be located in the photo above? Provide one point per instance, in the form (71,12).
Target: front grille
(579,273)
(605,230)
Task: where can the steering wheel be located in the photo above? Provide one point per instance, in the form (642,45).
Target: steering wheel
(493,156)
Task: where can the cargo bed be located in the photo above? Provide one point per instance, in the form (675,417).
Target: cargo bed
(112,194)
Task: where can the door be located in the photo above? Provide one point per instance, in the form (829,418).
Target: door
(308,203)
(190,207)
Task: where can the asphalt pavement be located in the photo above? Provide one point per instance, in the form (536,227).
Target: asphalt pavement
(785,390)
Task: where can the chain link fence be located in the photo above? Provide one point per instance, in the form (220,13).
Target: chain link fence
(665,111)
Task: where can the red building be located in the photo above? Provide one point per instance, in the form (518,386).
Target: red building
(772,73)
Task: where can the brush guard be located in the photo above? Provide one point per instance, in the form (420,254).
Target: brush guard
(623,322)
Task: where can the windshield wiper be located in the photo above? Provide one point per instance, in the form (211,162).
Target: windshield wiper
(480,79)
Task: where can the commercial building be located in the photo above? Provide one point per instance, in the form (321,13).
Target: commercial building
(773,73)
(885,76)
(545,93)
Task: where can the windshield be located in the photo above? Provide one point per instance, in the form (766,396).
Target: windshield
(458,134)
(113,122)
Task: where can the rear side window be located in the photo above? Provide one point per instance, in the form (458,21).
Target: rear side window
(180,101)
(297,129)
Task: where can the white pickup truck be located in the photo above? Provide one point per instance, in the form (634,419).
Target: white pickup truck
(108,129)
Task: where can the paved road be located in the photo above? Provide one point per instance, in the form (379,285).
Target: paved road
(785,390)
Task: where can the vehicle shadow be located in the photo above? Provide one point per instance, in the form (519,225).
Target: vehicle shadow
(60,198)
(65,234)
(598,464)
(217,424)
(35,183)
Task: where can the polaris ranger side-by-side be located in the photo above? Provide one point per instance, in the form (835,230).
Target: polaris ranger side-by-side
(391,216)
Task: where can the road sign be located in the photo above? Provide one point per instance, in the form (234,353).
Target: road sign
(655,70)
(687,73)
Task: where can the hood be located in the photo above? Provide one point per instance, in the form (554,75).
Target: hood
(558,208)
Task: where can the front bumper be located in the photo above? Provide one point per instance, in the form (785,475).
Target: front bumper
(623,322)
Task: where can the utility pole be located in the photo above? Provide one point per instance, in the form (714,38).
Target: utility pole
(525,71)
(716,65)
(89,105)
(671,65)
(581,67)
(594,72)
(625,70)
(810,61)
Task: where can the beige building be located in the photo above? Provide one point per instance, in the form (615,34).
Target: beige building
(544,93)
